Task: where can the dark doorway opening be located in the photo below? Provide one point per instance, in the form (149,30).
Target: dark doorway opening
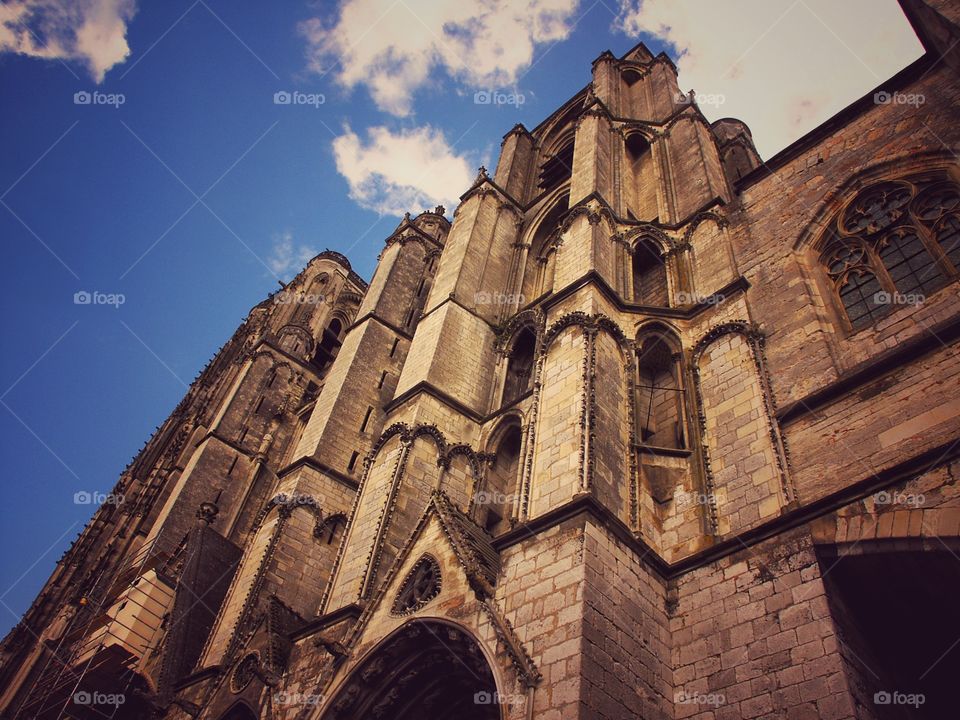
(896,616)
(424,671)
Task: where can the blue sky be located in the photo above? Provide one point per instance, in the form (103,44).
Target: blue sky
(198,193)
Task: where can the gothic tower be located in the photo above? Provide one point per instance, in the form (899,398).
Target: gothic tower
(632,436)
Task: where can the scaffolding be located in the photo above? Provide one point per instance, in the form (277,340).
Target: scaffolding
(107,642)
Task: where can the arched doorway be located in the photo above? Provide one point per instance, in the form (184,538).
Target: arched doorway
(893,603)
(426,670)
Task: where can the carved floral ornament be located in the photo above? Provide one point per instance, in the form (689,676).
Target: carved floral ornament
(422,584)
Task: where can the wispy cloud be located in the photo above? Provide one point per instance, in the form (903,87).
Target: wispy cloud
(781,66)
(393,46)
(410,170)
(288,257)
(92,32)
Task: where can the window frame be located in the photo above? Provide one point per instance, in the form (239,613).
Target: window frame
(681,391)
(838,235)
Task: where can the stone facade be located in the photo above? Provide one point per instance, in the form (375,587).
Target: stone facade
(634,436)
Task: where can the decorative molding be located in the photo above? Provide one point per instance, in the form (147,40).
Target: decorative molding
(700,218)
(244,672)
(445,453)
(526,669)
(533,318)
(631,238)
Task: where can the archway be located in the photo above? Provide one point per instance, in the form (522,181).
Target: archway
(426,670)
(893,603)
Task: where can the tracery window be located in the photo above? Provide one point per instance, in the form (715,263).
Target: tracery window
(539,272)
(421,585)
(557,168)
(640,179)
(495,501)
(895,243)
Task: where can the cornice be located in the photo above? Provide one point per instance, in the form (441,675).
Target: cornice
(736,286)
(311,462)
(432,390)
(935,338)
(797,516)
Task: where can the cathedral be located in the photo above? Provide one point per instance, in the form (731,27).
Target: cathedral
(646,428)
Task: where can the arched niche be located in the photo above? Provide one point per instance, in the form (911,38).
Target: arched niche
(495,503)
(639,179)
(541,259)
(520,366)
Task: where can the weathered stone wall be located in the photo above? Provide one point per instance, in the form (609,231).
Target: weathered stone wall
(627,669)
(753,638)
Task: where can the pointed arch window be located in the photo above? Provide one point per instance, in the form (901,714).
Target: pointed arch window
(855,283)
(519,367)
(331,529)
(310,300)
(557,168)
(895,243)
(640,186)
(329,346)
(649,275)
(495,502)
(540,264)
(660,402)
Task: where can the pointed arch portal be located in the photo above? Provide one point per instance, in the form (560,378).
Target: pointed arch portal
(426,670)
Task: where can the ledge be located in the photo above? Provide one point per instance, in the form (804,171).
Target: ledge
(312,462)
(687,312)
(211,671)
(373,316)
(939,336)
(435,392)
(347,612)
(722,547)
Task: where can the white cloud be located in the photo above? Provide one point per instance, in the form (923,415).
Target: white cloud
(392,47)
(89,31)
(783,66)
(287,258)
(392,173)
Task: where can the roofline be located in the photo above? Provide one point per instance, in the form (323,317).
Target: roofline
(580,94)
